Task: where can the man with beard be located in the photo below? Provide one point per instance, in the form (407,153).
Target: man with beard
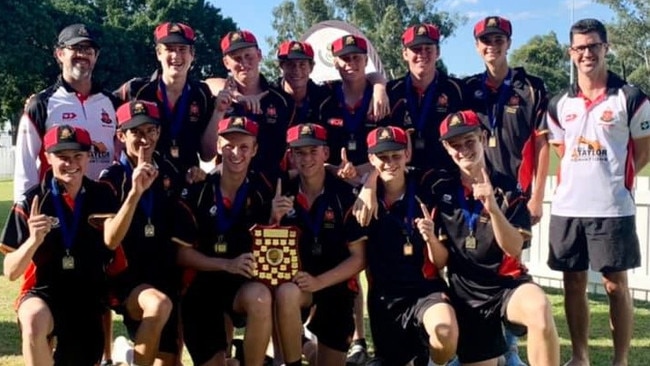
(74,99)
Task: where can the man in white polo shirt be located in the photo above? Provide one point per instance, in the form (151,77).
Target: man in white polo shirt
(600,127)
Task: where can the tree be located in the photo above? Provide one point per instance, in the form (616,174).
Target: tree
(544,57)
(382,21)
(629,39)
(125,31)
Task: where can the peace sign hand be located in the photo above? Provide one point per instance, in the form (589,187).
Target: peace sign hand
(425,223)
(39,224)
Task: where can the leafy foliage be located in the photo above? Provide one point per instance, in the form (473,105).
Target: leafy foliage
(125,30)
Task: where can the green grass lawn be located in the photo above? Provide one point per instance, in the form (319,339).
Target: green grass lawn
(600,341)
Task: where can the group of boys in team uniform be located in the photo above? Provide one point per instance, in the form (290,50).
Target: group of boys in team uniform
(429,183)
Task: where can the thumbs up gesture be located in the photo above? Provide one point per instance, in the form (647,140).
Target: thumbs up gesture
(346,168)
(281,205)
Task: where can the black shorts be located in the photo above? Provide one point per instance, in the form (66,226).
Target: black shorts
(202,315)
(480,329)
(333,320)
(168,337)
(78,329)
(609,244)
(397,327)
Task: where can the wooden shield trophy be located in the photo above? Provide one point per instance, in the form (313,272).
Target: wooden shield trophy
(275,249)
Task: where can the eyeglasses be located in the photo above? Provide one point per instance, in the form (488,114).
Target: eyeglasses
(81,48)
(593,47)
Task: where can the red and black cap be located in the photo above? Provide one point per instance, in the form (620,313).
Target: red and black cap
(237,40)
(136,113)
(237,124)
(459,123)
(294,50)
(349,44)
(493,25)
(174,33)
(307,134)
(420,34)
(388,138)
(76,33)
(66,137)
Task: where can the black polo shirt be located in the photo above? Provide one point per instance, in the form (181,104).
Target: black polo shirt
(151,259)
(307,110)
(421,112)
(392,269)
(478,271)
(45,276)
(273,124)
(518,112)
(346,127)
(214,225)
(328,219)
(184,125)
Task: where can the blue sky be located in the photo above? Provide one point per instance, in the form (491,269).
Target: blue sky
(528,17)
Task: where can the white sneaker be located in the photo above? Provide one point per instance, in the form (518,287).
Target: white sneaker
(122,351)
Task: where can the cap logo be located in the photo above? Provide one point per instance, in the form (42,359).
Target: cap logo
(235,37)
(238,121)
(65,133)
(175,29)
(349,40)
(139,108)
(384,135)
(82,31)
(492,22)
(296,47)
(455,120)
(306,130)
(422,30)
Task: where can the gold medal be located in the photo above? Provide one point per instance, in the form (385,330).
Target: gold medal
(174,152)
(407,248)
(470,241)
(419,143)
(149,230)
(492,141)
(220,246)
(352,145)
(67,262)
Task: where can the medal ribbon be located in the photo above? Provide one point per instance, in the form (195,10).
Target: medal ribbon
(146,201)
(181,108)
(225,219)
(504,91)
(471,217)
(352,121)
(317,223)
(69,232)
(420,116)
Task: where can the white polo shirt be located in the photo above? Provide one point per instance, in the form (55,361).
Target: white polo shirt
(597,170)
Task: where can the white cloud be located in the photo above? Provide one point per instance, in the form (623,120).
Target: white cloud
(457,3)
(523,15)
(477,14)
(577,4)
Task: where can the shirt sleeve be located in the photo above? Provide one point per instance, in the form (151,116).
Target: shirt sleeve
(16,230)
(27,150)
(639,115)
(552,121)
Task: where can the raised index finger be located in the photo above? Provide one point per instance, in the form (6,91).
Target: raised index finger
(344,155)
(486,177)
(141,156)
(423,207)
(34,210)
(278,188)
